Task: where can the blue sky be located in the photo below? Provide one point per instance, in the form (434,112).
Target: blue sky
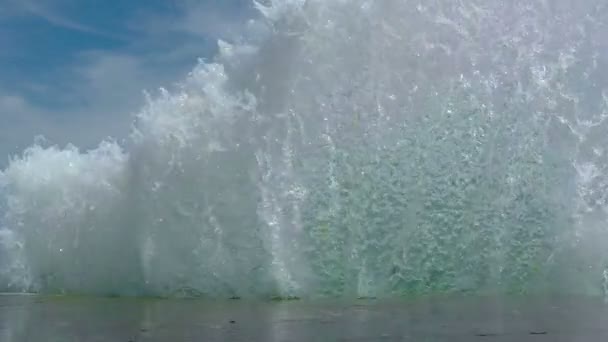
(75,70)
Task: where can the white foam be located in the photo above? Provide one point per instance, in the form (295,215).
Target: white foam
(301,162)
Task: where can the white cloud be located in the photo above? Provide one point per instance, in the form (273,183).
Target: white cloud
(96,95)
(18,122)
(101,92)
(22,121)
(206,19)
(12,104)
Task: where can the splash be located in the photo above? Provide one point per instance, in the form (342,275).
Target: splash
(344,148)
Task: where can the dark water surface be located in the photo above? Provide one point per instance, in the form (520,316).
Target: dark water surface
(50,319)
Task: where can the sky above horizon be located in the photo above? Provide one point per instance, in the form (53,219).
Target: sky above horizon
(75,71)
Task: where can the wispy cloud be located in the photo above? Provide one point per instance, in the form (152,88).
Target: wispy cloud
(51,15)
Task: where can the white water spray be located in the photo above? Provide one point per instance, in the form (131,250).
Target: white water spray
(349,148)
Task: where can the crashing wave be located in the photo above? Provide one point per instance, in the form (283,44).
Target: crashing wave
(348,148)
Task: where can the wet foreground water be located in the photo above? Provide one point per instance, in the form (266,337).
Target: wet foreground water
(50,319)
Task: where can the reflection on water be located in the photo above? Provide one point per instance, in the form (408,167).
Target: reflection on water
(59,319)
